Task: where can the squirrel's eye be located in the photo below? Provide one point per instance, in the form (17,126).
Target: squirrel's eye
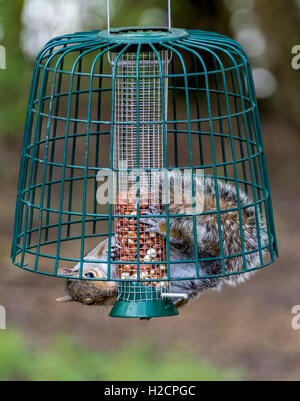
(89,275)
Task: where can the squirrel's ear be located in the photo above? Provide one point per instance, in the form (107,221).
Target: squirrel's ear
(67,272)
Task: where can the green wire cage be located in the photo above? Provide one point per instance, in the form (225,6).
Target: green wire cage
(122,104)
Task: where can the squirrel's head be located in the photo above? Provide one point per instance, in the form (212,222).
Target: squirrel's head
(89,291)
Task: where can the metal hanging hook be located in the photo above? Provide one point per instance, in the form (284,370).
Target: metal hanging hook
(169,16)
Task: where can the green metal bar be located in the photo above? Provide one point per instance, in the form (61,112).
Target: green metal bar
(24,161)
(196,252)
(106,216)
(31,173)
(265,180)
(239,126)
(53,146)
(198,111)
(179,131)
(99,109)
(119,280)
(173,89)
(74,141)
(44,169)
(221,121)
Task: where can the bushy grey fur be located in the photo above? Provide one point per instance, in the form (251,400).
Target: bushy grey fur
(240,221)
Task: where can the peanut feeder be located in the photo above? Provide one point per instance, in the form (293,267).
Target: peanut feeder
(141,104)
(136,101)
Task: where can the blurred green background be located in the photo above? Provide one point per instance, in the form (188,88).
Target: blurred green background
(237,334)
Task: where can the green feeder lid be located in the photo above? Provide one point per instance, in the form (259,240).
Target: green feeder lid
(142,35)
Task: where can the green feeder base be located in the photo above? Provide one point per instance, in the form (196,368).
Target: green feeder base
(141,301)
(144,309)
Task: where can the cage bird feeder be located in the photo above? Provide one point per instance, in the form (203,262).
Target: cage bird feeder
(122,104)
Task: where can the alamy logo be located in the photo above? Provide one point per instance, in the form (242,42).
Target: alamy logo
(2,58)
(296,58)
(160,184)
(296,318)
(2,318)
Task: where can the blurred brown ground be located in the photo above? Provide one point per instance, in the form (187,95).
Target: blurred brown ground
(247,327)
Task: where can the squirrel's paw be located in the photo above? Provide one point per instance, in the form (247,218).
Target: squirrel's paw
(113,250)
(155,225)
(159,226)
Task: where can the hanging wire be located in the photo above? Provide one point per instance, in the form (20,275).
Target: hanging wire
(108,16)
(169,15)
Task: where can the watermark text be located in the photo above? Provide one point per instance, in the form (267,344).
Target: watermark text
(159,186)
(296,318)
(2,58)
(296,58)
(2,318)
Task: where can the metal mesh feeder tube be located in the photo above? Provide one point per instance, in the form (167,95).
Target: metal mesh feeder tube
(138,148)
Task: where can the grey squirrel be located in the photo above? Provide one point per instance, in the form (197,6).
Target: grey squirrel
(182,246)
